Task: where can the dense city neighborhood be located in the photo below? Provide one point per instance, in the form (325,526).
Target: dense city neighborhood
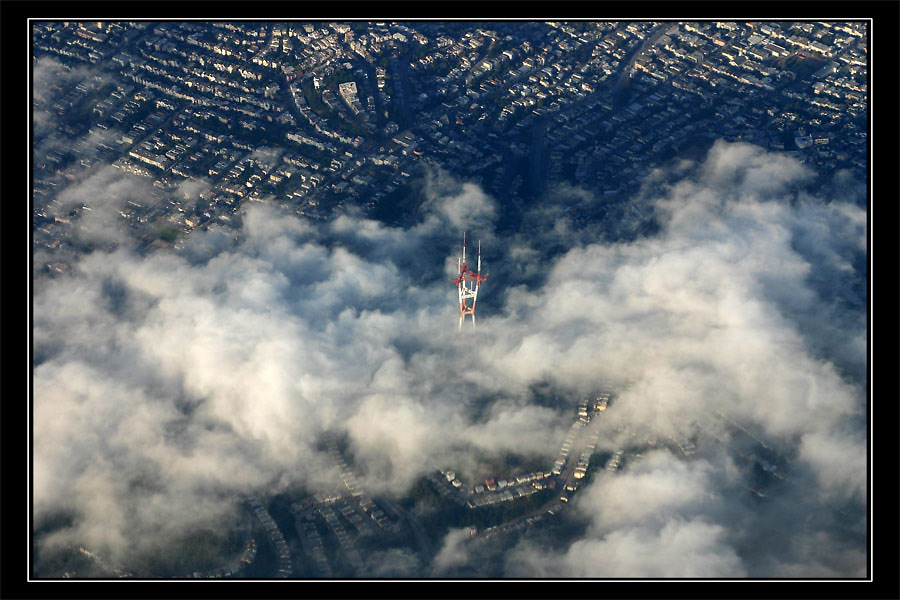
(325,119)
(314,117)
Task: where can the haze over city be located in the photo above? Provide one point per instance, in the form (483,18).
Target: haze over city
(250,357)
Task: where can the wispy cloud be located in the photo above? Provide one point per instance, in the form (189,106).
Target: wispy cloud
(170,383)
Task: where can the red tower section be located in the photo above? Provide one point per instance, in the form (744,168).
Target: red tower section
(467,283)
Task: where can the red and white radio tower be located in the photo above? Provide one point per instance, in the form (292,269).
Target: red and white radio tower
(467,283)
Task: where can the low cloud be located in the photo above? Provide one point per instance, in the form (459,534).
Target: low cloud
(680,549)
(170,384)
(453,552)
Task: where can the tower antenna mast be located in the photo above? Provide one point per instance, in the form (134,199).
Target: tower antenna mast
(467,283)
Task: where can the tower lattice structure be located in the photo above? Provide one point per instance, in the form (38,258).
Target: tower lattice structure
(467,283)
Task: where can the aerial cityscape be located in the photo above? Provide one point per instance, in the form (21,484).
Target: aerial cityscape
(249,360)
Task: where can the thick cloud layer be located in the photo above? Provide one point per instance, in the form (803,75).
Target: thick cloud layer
(167,385)
(650,522)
